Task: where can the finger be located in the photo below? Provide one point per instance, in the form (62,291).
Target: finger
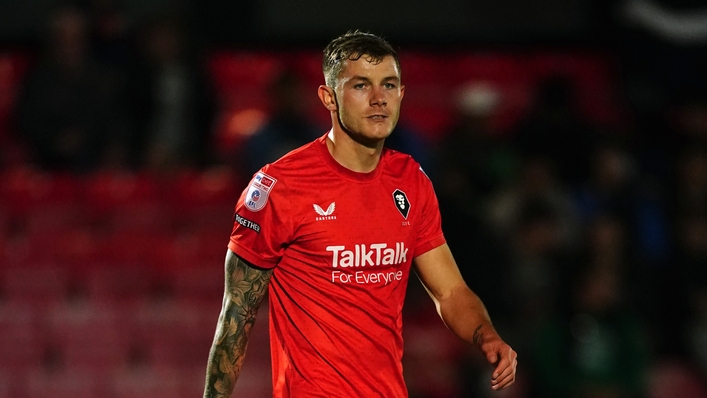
(505,362)
(504,381)
(497,377)
(507,378)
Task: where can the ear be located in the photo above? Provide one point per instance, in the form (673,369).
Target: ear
(328,97)
(402,92)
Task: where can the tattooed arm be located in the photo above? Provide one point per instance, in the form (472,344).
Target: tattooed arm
(464,313)
(244,291)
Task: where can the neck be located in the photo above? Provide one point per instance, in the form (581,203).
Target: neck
(352,154)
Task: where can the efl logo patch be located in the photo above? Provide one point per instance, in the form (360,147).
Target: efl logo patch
(401,202)
(258,191)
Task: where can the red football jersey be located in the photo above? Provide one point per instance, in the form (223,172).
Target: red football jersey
(341,243)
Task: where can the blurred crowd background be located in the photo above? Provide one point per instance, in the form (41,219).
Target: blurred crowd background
(567,142)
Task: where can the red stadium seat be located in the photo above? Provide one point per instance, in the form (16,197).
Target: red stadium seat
(68,383)
(6,387)
(427,104)
(39,284)
(234,71)
(120,285)
(593,75)
(171,334)
(203,284)
(89,336)
(24,189)
(21,345)
(110,193)
(145,383)
(205,201)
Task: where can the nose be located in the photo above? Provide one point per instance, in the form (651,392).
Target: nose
(378,97)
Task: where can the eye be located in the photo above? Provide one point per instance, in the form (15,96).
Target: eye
(359,86)
(390,86)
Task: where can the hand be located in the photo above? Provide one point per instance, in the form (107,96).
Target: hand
(503,357)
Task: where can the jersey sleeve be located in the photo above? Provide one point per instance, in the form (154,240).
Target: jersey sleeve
(261,226)
(430,233)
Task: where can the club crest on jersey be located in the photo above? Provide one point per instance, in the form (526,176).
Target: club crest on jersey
(401,202)
(258,191)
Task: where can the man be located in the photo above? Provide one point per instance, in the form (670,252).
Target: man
(331,231)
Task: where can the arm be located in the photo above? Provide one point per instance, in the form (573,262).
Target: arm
(244,291)
(464,313)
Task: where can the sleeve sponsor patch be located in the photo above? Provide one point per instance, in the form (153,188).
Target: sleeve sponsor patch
(258,191)
(246,223)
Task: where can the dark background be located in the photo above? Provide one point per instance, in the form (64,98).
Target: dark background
(566,140)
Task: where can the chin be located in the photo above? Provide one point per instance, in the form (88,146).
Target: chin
(370,139)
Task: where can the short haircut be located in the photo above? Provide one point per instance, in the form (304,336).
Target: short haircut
(351,46)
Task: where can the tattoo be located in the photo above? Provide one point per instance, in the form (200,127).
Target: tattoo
(245,288)
(477,336)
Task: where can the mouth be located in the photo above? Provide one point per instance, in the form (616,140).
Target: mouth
(377,117)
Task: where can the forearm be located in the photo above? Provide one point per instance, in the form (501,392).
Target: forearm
(466,316)
(245,289)
(227,352)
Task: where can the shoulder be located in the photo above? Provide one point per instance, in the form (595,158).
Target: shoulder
(401,164)
(294,163)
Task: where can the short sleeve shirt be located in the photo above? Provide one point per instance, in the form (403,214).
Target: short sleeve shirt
(341,244)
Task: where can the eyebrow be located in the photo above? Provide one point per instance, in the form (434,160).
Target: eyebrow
(367,80)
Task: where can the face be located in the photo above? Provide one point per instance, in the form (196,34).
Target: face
(367,99)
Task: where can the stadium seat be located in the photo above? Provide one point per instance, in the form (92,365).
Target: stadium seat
(112,195)
(592,74)
(234,71)
(38,284)
(198,283)
(205,200)
(89,336)
(170,334)
(21,345)
(6,387)
(24,189)
(68,383)
(145,383)
(120,285)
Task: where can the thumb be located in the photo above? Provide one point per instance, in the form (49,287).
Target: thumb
(491,357)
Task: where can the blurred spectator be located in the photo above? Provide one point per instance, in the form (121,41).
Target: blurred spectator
(407,139)
(110,33)
(171,101)
(697,324)
(469,161)
(691,120)
(556,130)
(597,348)
(691,191)
(531,282)
(684,284)
(536,182)
(289,126)
(472,160)
(614,187)
(68,113)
